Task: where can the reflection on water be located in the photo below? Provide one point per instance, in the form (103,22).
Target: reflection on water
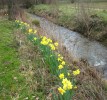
(76,44)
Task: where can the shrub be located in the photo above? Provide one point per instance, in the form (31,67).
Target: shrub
(36,22)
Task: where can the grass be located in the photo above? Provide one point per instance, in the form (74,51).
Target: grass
(89,82)
(36,22)
(15,81)
(67,15)
(24,74)
(9,62)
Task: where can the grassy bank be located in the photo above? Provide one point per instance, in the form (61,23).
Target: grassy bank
(93,26)
(25,75)
(17,78)
(86,81)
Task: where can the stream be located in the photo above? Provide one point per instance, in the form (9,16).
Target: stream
(76,44)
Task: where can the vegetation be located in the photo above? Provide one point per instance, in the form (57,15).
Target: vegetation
(36,22)
(55,63)
(12,83)
(91,23)
(35,67)
(53,81)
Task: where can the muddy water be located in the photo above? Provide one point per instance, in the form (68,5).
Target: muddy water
(77,45)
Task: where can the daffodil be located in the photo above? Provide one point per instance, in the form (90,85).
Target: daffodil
(75,87)
(35,31)
(76,72)
(30,30)
(52,46)
(56,44)
(61,76)
(67,85)
(68,74)
(62,91)
(63,63)
(60,66)
(59,55)
(60,58)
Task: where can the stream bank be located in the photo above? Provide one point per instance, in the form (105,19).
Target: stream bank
(77,45)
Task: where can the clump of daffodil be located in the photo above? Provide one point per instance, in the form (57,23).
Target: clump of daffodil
(67,85)
(57,65)
(76,72)
(47,41)
(61,90)
(44,41)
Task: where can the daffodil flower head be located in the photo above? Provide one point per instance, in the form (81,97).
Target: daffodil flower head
(59,55)
(52,46)
(68,74)
(63,63)
(67,85)
(35,31)
(56,44)
(61,90)
(30,30)
(61,76)
(75,87)
(60,67)
(76,72)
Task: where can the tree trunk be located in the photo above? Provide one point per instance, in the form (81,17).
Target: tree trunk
(72,1)
(11,9)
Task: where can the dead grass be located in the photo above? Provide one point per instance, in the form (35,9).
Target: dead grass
(34,69)
(90,84)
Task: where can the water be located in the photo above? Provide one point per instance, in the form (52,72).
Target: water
(77,45)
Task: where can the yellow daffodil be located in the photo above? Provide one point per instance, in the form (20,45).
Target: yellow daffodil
(76,72)
(62,91)
(56,44)
(25,24)
(60,66)
(68,74)
(22,22)
(60,58)
(50,40)
(67,85)
(52,46)
(64,81)
(61,76)
(30,30)
(35,31)
(63,63)
(59,55)
(75,87)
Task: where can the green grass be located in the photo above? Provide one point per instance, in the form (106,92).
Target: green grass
(12,84)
